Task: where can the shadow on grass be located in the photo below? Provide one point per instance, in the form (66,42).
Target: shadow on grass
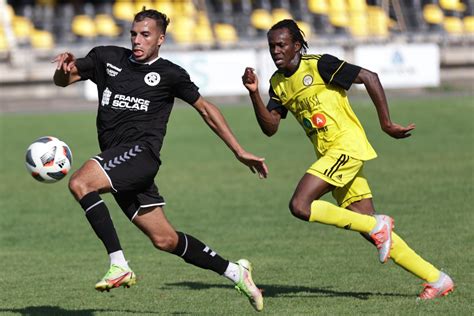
(58,311)
(270,290)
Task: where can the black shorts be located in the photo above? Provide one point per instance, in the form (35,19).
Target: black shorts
(131,169)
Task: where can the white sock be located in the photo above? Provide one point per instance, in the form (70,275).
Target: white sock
(118,258)
(232,272)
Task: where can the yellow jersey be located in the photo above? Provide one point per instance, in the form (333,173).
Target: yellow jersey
(316,95)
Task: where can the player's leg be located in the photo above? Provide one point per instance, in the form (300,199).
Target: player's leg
(306,206)
(86,184)
(326,174)
(111,171)
(153,222)
(438,283)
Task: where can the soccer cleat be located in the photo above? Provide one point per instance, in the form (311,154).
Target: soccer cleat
(246,285)
(440,288)
(115,277)
(382,236)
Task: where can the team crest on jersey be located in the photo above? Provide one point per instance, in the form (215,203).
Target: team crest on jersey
(152,79)
(307,80)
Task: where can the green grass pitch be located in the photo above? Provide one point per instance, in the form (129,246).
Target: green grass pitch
(50,257)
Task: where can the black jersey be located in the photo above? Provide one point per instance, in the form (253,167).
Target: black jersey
(135,100)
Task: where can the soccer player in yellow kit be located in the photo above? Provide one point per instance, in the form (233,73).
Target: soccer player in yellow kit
(313,88)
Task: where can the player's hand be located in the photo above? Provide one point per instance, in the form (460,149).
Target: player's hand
(398,131)
(256,164)
(65,61)
(250,79)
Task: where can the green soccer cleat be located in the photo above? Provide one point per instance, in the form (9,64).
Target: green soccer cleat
(115,277)
(246,285)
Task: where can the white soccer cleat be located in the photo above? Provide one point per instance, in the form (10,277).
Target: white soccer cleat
(381,234)
(440,288)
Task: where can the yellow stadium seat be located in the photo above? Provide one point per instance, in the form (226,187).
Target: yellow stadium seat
(357,5)
(166,7)
(306,28)
(184,8)
(280,14)
(83,26)
(454,5)
(261,19)
(4,46)
(358,25)
(203,35)
(378,21)
(433,14)
(318,7)
(203,31)
(358,18)
(105,26)
(226,34)
(41,39)
(22,28)
(46,2)
(140,4)
(123,10)
(453,25)
(338,13)
(468,22)
(182,30)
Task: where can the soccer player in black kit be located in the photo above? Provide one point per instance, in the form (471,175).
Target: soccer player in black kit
(136,90)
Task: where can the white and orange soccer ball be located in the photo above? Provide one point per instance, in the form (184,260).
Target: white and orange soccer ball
(48,159)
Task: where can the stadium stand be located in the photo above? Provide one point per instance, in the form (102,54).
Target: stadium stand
(210,24)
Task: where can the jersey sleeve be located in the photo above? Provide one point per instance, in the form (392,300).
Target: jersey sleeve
(274,103)
(87,66)
(184,88)
(337,72)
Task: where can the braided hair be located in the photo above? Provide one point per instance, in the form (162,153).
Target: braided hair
(296,33)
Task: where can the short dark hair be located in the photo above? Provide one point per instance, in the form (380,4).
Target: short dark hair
(161,19)
(296,33)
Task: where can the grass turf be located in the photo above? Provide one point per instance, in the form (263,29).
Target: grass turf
(50,257)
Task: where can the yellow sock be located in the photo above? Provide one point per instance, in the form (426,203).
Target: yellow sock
(409,260)
(330,214)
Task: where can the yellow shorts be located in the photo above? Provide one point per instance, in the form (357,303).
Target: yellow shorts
(346,174)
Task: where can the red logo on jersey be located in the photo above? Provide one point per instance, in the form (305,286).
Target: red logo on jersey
(319,120)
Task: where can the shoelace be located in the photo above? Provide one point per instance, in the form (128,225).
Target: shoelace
(380,237)
(429,291)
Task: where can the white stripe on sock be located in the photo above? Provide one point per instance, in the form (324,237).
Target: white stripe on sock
(94,205)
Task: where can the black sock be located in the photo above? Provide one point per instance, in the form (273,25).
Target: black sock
(98,216)
(196,253)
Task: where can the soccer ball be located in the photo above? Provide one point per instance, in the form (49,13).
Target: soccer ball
(48,159)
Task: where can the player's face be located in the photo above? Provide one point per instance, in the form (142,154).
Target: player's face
(284,51)
(146,40)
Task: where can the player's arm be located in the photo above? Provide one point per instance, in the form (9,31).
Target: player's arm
(267,120)
(66,71)
(216,121)
(377,94)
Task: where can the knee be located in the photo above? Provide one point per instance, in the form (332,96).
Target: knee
(299,209)
(77,186)
(166,242)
